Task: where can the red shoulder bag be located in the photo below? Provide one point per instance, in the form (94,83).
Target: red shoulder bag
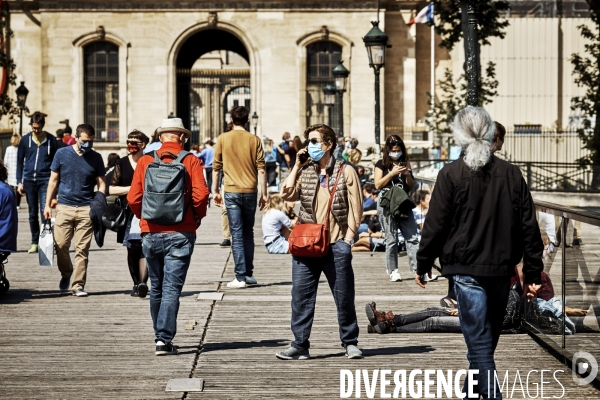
(310,240)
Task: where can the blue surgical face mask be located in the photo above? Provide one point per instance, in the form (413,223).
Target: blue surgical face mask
(86,147)
(395,156)
(315,152)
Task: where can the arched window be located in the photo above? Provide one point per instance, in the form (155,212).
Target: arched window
(321,58)
(101,89)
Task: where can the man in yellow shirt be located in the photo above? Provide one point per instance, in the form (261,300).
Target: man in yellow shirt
(240,155)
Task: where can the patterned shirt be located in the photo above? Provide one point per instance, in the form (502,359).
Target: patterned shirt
(10,161)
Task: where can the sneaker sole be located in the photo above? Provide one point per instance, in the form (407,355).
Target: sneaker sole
(165,353)
(371,315)
(282,357)
(142,291)
(354,356)
(80,295)
(395,280)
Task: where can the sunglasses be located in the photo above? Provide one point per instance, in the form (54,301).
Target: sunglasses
(134,142)
(315,141)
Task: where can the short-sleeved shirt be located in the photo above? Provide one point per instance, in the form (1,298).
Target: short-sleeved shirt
(399,180)
(207,155)
(272,223)
(77,176)
(285,146)
(369,204)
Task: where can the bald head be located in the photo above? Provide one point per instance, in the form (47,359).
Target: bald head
(171,137)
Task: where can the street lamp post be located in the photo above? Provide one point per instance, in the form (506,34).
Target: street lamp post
(22,93)
(471,39)
(329,92)
(255,121)
(376,42)
(340,74)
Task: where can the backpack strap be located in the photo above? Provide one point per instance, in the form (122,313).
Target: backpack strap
(181,155)
(179,158)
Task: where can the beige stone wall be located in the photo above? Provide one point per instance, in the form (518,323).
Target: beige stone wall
(49,60)
(26,49)
(52,65)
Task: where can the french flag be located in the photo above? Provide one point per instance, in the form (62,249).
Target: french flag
(424,16)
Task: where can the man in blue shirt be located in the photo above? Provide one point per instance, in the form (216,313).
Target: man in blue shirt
(34,156)
(76,170)
(207,156)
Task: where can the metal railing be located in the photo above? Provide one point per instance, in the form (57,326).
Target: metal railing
(522,143)
(540,176)
(569,321)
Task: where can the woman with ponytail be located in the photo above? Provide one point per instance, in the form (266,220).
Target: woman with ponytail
(481,223)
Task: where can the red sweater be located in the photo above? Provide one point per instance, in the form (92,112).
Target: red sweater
(195,185)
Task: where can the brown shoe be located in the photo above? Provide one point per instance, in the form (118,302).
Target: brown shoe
(386,326)
(375,316)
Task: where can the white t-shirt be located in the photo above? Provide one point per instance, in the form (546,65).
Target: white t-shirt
(272,223)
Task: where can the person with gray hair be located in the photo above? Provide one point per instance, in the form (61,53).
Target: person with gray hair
(481,223)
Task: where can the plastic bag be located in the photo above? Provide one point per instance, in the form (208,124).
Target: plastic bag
(46,245)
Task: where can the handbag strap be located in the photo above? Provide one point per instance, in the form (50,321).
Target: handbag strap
(337,179)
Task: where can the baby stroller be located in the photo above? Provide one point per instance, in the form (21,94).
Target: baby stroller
(4,284)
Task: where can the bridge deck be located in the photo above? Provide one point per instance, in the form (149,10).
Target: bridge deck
(56,346)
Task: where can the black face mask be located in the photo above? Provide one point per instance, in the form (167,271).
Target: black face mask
(86,147)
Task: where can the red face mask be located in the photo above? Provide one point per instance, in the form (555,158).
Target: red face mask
(133,148)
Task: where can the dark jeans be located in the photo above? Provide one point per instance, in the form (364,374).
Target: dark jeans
(433,319)
(337,266)
(209,178)
(168,258)
(482,305)
(241,209)
(17,195)
(36,201)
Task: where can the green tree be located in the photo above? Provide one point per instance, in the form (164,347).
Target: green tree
(453,95)
(453,98)
(587,74)
(491,22)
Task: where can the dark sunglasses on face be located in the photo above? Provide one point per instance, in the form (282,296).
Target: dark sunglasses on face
(314,141)
(133,142)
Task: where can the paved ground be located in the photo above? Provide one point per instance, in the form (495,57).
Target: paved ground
(62,347)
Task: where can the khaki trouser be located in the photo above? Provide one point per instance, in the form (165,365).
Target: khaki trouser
(225,223)
(69,221)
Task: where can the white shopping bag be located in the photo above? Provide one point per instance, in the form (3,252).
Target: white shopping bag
(135,226)
(46,245)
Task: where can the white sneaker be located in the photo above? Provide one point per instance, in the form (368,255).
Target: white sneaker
(433,278)
(236,284)
(395,276)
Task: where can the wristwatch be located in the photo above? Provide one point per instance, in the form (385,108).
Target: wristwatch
(349,241)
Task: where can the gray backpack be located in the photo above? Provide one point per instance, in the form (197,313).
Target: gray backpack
(164,191)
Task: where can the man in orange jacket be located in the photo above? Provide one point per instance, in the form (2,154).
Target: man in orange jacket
(168,248)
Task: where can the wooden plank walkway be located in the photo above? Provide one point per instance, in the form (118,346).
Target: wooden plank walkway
(62,347)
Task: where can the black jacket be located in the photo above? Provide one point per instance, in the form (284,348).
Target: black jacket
(481,223)
(97,209)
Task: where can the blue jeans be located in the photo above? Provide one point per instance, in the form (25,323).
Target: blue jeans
(408,227)
(337,266)
(241,209)
(279,246)
(168,258)
(481,309)
(36,201)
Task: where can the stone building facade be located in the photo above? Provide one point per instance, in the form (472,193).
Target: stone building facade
(125,65)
